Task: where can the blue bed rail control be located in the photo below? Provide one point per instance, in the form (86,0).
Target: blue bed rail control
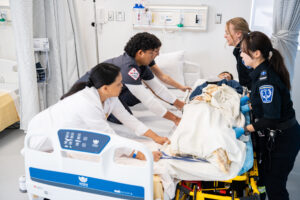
(83,141)
(87,184)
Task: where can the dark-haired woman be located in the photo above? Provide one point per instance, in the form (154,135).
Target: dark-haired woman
(86,106)
(273,110)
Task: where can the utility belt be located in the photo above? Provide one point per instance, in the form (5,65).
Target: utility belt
(287,124)
(279,128)
(270,136)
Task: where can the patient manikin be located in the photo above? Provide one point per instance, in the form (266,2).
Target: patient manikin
(223,78)
(223,75)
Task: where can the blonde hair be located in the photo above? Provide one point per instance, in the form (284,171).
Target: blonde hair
(239,24)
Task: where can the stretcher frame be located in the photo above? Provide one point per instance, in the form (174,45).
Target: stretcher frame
(222,190)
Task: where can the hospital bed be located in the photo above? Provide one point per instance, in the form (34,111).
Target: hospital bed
(9,94)
(57,176)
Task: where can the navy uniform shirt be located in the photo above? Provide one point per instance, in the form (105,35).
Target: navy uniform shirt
(270,98)
(243,71)
(131,72)
(152,63)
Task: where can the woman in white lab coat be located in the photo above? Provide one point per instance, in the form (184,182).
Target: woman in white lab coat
(86,106)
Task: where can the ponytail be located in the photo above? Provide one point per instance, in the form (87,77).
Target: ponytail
(259,41)
(277,64)
(75,88)
(102,74)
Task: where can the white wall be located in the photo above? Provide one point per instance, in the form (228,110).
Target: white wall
(205,48)
(7,44)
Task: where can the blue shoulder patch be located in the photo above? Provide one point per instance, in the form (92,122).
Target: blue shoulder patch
(266,93)
(263,75)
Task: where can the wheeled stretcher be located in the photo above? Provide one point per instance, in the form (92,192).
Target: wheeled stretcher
(242,187)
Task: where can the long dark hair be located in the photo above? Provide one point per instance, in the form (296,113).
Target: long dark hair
(101,74)
(141,41)
(259,41)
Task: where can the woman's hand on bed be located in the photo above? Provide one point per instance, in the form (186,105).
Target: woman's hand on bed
(156,138)
(161,140)
(177,121)
(178,104)
(156,155)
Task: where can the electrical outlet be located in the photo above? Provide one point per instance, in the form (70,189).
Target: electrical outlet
(120,16)
(218,18)
(3,15)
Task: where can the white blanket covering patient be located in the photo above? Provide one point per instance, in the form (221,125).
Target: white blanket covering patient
(206,125)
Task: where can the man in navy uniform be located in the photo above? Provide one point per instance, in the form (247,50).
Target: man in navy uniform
(140,52)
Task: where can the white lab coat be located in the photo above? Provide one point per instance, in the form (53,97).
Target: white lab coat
(82,110)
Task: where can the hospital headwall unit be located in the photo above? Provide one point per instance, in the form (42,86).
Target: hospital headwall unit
(170,17)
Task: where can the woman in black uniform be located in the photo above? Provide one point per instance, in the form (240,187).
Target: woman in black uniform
(234,30)
(273,110)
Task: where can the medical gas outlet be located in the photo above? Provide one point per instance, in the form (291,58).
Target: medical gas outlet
(4,14)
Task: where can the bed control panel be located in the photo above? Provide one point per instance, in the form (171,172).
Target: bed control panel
(83,141)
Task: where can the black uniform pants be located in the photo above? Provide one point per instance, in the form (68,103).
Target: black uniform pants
(278,163)
(127,99)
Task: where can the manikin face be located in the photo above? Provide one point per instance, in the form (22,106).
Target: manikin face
(232,36)
(115,88)
(225,75)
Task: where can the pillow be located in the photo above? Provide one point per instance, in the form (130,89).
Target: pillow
(172,65)
(191,78)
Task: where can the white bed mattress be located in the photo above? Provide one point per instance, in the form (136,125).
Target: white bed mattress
(161,126)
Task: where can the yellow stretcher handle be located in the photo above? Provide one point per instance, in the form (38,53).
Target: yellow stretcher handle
(254,186)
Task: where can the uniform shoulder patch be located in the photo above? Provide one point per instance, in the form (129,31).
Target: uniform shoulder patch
(263,75)
(266,93)
(133,73)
